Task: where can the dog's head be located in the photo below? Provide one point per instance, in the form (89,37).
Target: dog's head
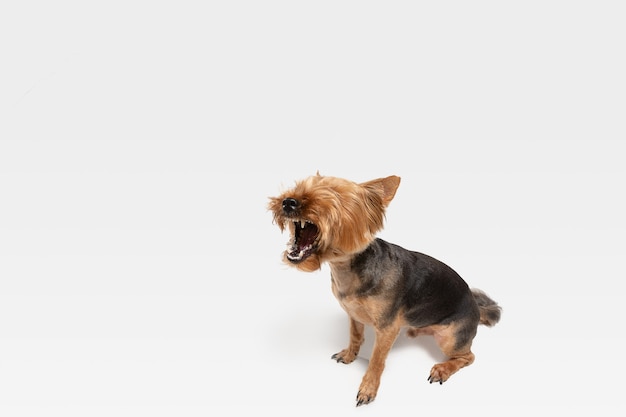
(330,218)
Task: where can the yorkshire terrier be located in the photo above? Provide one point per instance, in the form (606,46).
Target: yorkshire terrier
(377,283)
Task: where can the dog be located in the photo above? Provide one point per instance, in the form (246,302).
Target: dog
(334,220)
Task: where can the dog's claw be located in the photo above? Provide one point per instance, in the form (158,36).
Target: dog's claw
(431,380)
(361,401)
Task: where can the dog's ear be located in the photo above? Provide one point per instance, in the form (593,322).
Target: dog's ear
(385,187)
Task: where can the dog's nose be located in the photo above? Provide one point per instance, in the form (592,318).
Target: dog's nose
(290,205)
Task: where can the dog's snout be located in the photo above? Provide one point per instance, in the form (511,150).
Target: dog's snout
(290,205)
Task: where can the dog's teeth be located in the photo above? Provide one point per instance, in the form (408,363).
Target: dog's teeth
(302,223)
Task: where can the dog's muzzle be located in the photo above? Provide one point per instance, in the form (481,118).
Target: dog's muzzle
(304,240)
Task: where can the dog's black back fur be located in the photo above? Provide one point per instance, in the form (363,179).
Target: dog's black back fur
(431,291)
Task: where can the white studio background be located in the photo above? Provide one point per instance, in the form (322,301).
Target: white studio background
(140,272)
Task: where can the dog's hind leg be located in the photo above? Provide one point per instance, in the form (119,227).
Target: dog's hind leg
(455,341)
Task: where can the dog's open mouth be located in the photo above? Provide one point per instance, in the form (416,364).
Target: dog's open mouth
(303,242)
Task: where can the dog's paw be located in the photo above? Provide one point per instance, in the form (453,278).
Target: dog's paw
(366,395)
(345,356)
(363,399)
(439,373)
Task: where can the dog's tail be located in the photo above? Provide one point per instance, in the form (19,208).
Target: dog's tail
(490,311)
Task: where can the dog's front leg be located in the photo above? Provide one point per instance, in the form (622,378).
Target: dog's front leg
(385,339)
(348,355)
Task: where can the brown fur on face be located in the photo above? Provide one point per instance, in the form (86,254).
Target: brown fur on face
(377,283)
(347,215)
